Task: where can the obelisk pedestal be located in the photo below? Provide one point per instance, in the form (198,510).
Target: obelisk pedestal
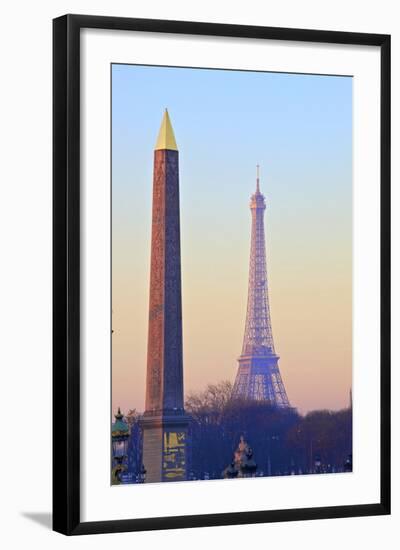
(164,422)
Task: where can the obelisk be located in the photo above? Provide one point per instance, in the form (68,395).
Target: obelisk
(164,422)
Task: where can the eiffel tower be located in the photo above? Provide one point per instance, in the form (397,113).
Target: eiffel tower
(258,376)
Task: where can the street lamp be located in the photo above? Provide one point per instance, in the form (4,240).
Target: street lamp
(317,465)
(348,464)
(119,438)
(141,478)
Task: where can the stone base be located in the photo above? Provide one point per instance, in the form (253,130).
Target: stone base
(165,447)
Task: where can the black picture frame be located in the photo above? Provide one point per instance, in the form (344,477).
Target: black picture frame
(66,273)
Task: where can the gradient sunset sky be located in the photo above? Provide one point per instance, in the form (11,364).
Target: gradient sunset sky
(298,128)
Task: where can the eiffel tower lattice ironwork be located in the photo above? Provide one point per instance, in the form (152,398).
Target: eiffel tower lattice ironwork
(258,376)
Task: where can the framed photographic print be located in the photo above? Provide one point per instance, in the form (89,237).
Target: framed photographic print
(221,274)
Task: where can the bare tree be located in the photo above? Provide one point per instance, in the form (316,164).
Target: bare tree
(211,402)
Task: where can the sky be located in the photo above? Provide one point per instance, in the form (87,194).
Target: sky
(298,128)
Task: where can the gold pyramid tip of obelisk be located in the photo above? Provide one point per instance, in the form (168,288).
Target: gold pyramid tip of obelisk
(166,138)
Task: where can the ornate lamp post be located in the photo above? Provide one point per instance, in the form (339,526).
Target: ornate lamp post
(119,437)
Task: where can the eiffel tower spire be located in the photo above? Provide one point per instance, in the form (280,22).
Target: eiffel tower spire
(258,375)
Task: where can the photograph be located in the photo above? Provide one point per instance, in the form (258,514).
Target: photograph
(231,274)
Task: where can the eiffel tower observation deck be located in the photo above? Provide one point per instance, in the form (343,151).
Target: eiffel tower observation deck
(258,376)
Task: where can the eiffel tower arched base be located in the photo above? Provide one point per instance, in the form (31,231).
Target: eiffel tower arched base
(259,378)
